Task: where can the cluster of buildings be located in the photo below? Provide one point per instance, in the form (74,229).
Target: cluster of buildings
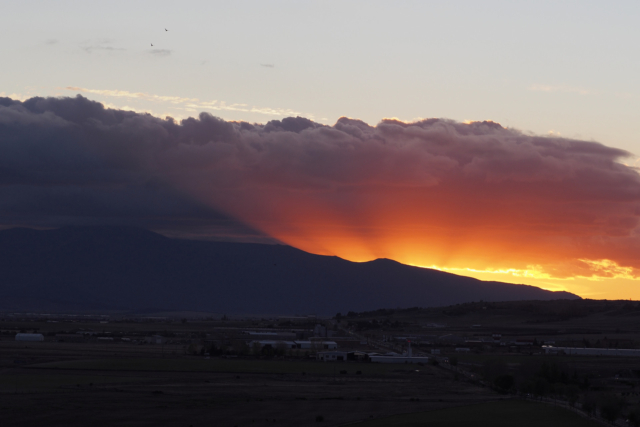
(390,357)
(456,340)
(29,337)
(291,340)
(628,352)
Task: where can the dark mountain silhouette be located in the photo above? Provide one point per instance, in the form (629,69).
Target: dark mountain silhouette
(121,268)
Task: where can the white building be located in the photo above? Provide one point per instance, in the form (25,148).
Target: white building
(29,337)
(155,339)
(303,345)
(332,356)
(407,357)
(317,345)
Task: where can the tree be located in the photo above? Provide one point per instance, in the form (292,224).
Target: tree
(213,349)
(193,349)
(493,369)
(572,392)
(610,407)
(634,417)
(255,348)
(281,348)
(541,387)
(239,347)
(504,382)
(589,405)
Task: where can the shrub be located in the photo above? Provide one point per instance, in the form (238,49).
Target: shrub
(589,405)
(610,407)
(504,382)
(634,417)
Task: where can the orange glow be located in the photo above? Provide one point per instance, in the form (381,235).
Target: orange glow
(486,246)
(474,199)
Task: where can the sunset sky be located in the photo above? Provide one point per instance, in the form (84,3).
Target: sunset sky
(497,140)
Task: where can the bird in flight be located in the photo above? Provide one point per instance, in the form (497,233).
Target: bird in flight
(166,29)
(151,44)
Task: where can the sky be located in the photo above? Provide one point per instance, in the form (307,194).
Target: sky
(491,139)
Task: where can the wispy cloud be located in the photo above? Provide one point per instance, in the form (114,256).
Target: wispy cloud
(191,105)
(267,65)
(90,49)
(51,42)
(133,95)
(160,52)
(103,45)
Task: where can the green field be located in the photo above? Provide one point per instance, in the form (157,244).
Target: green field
(233,366)
(507,413)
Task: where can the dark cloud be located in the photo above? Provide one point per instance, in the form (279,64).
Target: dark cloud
(433,192)
(66,161)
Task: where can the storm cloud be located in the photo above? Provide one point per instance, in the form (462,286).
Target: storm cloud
(434,192)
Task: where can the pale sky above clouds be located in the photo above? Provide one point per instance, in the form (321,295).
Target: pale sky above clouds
(566,67)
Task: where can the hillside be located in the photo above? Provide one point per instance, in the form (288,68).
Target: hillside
(131,269)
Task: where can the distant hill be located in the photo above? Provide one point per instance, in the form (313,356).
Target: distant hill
(122,268)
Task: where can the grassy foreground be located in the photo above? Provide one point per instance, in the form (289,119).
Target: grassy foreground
(506,413)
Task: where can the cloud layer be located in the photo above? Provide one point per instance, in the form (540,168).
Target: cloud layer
(435,192)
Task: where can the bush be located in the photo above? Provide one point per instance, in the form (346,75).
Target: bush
(634,417)
(572,392)
(610,407)
(589,405)
(504,383)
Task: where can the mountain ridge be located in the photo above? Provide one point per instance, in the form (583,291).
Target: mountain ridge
(134,269)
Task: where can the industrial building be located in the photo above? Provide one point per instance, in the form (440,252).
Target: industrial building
(155,339)
(317,345)
(303,345)
(332,356)
(399,359)
(628,352)
(392,357)
(29,337)
(340,356)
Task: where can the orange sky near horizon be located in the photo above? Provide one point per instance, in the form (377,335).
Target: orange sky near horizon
(408,247)
(474,199)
